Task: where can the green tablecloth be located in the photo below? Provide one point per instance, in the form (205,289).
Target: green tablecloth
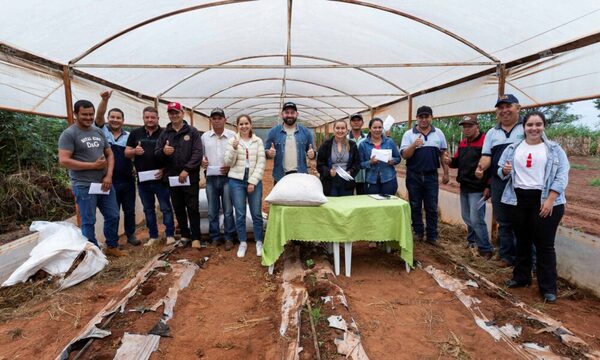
(341,219)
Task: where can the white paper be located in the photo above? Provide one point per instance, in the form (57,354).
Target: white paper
(96,188)
(343,173)
(480,203)
(388,122)
(174,181)
(213,170)
(379,197)
(382,154)
(149,175)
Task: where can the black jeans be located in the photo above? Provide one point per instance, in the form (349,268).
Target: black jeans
(423,189)
(186,207)
(530,229)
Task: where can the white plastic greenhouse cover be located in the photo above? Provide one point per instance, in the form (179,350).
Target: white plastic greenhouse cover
(332,57)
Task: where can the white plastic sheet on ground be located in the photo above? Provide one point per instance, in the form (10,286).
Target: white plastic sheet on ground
(59,244)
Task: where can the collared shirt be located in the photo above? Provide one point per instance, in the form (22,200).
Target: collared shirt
(497,139)
(360,176)
(427,157)
(147,161)
(214,146)
(123,169)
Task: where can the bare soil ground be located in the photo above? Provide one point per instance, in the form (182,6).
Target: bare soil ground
(583,200)
(231,309)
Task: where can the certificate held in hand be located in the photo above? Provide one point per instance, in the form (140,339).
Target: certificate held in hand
(96,189)
(174,181)
(383,155)
(149,175)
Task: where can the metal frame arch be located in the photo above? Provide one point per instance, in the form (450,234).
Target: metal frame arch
(151,20)
(424,22)
(277,109)
(289,95)
(277,79)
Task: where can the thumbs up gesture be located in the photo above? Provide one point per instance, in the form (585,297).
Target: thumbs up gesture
(204,162)
(479,172)
(311,152)
(418,142)
(271,152)
(507,168)
(168,149)
(139,150)
(235,143)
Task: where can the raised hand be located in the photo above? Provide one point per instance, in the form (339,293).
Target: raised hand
(507,168)
(271,152)
(168,149)
(311,152)
(105,95)
(418,142)
(139,150)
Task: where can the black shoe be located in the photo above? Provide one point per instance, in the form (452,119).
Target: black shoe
(417,237)
(486,254)
(131,239)
(434,243)
(228,245)
(215,243)
(511,284)
(549,297)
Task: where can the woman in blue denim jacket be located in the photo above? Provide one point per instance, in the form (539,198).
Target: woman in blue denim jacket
(380,176)
(537,170)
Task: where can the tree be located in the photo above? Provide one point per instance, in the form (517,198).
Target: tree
(597,104)
(556,114)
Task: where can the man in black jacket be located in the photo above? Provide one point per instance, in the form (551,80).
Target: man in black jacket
(473,191)
(179,148)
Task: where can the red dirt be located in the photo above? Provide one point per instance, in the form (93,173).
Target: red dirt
(399,315)
(582,211)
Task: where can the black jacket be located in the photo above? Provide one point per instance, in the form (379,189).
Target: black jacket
(188,151)
(466,159)
(324,165)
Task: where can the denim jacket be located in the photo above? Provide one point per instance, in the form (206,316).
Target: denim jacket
(556,175)
(304,139)
(384,171)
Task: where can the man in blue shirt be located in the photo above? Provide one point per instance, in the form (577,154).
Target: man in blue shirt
(289,144)
(507,131)
(423,146)
(123,176)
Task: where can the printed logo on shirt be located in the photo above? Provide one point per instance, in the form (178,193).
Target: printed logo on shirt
(186,138)
(91,141)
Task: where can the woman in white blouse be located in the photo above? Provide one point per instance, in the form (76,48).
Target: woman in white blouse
(537,170)
(245,156)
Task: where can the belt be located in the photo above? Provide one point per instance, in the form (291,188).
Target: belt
(291,172)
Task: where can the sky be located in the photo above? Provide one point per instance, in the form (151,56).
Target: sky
(588,112)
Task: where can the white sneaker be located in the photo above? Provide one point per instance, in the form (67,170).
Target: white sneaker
(170,240)
(242,249)
(259,248)
(151,242)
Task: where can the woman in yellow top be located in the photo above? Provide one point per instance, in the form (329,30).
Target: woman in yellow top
(245,156)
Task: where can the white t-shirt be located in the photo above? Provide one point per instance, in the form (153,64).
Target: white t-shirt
(290,162)
(530,166)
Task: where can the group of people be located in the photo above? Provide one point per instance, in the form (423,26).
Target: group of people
(523,172)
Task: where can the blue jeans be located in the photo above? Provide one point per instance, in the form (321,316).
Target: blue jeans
(423,189)
(239,194)
(388,188)
(218,195)
(474,218)
(506,237)
(87,210)
(125,193)
(147,190)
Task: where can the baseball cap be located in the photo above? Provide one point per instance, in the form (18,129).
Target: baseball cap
(508,99)
(424,110)
(289,104)
(174,106)
(356,116)
(469,119)
(217,111)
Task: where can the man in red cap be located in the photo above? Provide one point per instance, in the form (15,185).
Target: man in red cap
(179,147)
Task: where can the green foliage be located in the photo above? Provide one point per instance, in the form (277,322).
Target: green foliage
(579,167)
(28,141)
(597,104)
(316,315)
(556,114)
(596,182)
